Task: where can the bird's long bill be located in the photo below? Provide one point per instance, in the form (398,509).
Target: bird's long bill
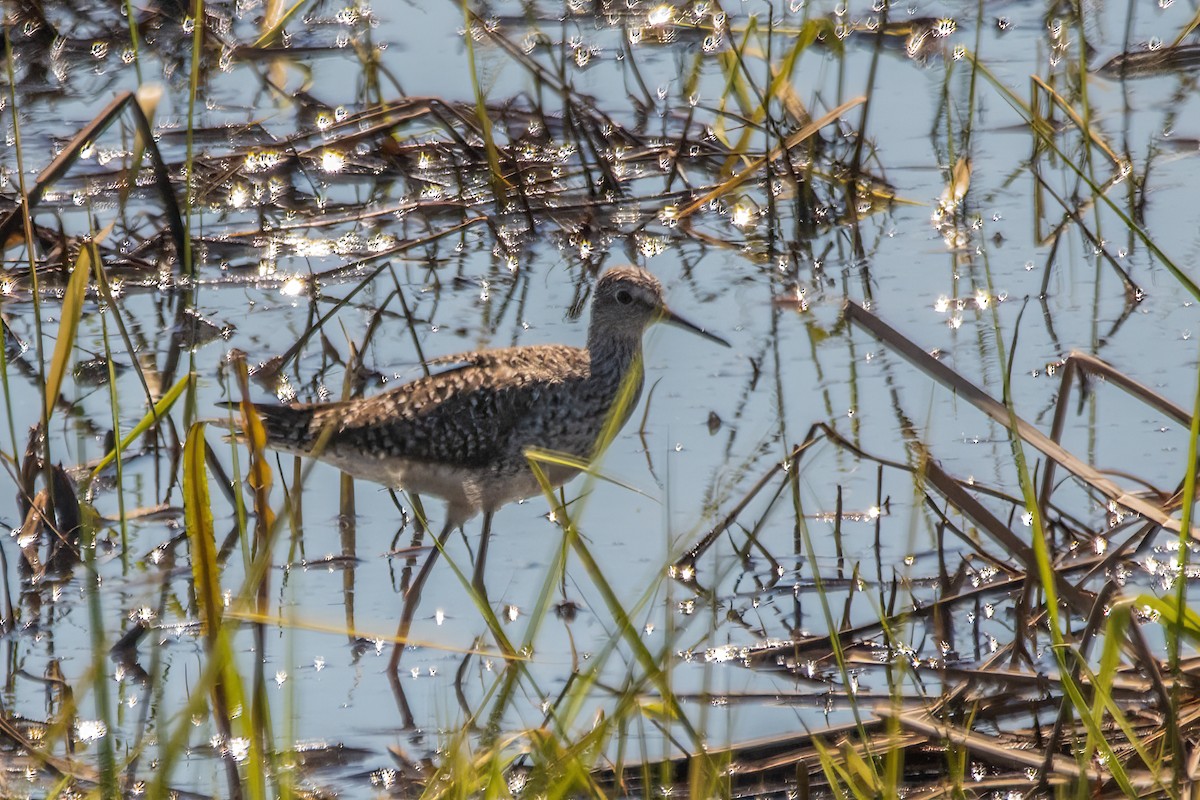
(667,315)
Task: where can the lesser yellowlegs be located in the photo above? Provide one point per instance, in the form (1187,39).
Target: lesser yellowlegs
(463,434)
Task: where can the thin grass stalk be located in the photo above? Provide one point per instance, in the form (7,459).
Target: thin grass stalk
(1048,140)
(483,607)
(1119,622)
(1188,508)
(626,631)
(114,402)
(1191,25)
(892,773)
(157,410)
(7,389)
(836,772)
(131,20)
(226,684)
(731,62)
(260,479)
(100,678)
(142,106)
(275,23)
(569,706)
(1044,566)
(189,164)
(64,344)
(958,757)
(153,701)
(973,83)
(285,776)
(500,185)
(835,642)
(27,223)
(616,418)
(175,745)
(860,140)
(153,417)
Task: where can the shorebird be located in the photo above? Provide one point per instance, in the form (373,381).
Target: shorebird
(463,434)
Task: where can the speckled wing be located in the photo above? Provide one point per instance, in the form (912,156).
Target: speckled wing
(464,416)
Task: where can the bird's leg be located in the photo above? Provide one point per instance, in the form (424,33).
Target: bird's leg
(412,597)
(481,559)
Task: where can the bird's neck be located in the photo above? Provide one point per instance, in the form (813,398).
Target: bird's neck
(613,357)
(616,375)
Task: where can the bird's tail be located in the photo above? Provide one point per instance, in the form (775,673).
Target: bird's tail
(288,428)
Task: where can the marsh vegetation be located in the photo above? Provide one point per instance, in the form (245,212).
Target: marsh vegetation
(925,529)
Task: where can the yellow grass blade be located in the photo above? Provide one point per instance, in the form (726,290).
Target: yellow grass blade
(68,325)
(197,515)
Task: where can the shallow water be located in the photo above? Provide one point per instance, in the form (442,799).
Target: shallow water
(989,282)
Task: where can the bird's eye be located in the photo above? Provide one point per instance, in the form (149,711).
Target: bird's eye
(624,297)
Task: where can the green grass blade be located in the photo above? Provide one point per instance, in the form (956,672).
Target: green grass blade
(500,184)
(1187,504)
(197,515)
(152,418)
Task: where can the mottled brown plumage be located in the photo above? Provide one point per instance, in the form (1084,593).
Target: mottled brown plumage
(462,434)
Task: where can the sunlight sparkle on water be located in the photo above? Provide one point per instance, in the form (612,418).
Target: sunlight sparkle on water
(90,730)
(239,196)
(722,654)
(744,216)
(310,248)
(261,160)
(660,15)
(239,748)
(332,160)
(685,573)
(650,246)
